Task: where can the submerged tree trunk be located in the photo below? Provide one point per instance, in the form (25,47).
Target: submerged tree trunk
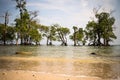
(107,43)
(64,43)
(50,43)
(99,42)
(21,39)
(4,37)
(104,42)
(17,42)
(74,38)
(47,41)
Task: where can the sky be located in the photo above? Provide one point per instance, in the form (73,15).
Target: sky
(67,13)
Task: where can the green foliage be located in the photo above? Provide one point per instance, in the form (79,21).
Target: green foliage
(35,35)
(91,31)
(102,28)
(21,5)
(9,33)
(1,31)
(62,33)
(26,27)
(49,32)
(52,32)
(28,32)
(78,36)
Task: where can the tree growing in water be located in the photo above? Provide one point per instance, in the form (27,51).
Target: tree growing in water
(91,32)
(9,35)
(74,35)
(78,36)
(62,33)
(49,32)
(26,26)
(21,5)
(105,21)
(101,29)
(4,32)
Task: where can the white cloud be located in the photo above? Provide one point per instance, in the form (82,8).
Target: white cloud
(76,13)
(52,5)
(84,3)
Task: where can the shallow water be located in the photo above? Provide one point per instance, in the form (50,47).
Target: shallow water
(75,61)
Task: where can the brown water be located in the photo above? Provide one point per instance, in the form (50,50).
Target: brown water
(73,61)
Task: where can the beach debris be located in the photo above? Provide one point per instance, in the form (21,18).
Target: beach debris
(93,53)
(24,53)
(33,75)
(3,73)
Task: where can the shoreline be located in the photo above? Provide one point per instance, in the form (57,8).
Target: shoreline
(40,68)
(32,75)
(51,59)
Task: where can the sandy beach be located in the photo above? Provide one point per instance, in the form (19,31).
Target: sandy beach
(17,68)
(31,75)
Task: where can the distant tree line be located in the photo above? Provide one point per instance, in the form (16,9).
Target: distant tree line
(28,30)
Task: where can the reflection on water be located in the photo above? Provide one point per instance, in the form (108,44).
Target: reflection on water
(61,51)
(69,60)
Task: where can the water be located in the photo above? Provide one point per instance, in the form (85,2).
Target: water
(70,60)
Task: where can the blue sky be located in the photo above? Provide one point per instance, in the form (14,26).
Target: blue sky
(67,13)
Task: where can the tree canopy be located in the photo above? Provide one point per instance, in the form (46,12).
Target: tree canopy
(101,29)
(78,36)
(27,29)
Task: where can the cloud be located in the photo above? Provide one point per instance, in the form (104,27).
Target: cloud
(84,3)
(72,12)
(51,5)
(69,12)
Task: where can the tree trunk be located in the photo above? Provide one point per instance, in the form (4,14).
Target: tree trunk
(21,40)
(4,37)
(74,38)
(47,41)
(99,42)
(107,43)
(64,43)
(50,43)
(17,42)
(104,42)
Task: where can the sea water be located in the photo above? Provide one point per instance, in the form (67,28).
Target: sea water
(64,60)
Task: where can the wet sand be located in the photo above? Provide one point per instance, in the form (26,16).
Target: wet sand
(31,75)
(39,59)
(50,64)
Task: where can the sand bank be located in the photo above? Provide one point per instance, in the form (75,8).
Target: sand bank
(31,75)
(90,60)
(38,68)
